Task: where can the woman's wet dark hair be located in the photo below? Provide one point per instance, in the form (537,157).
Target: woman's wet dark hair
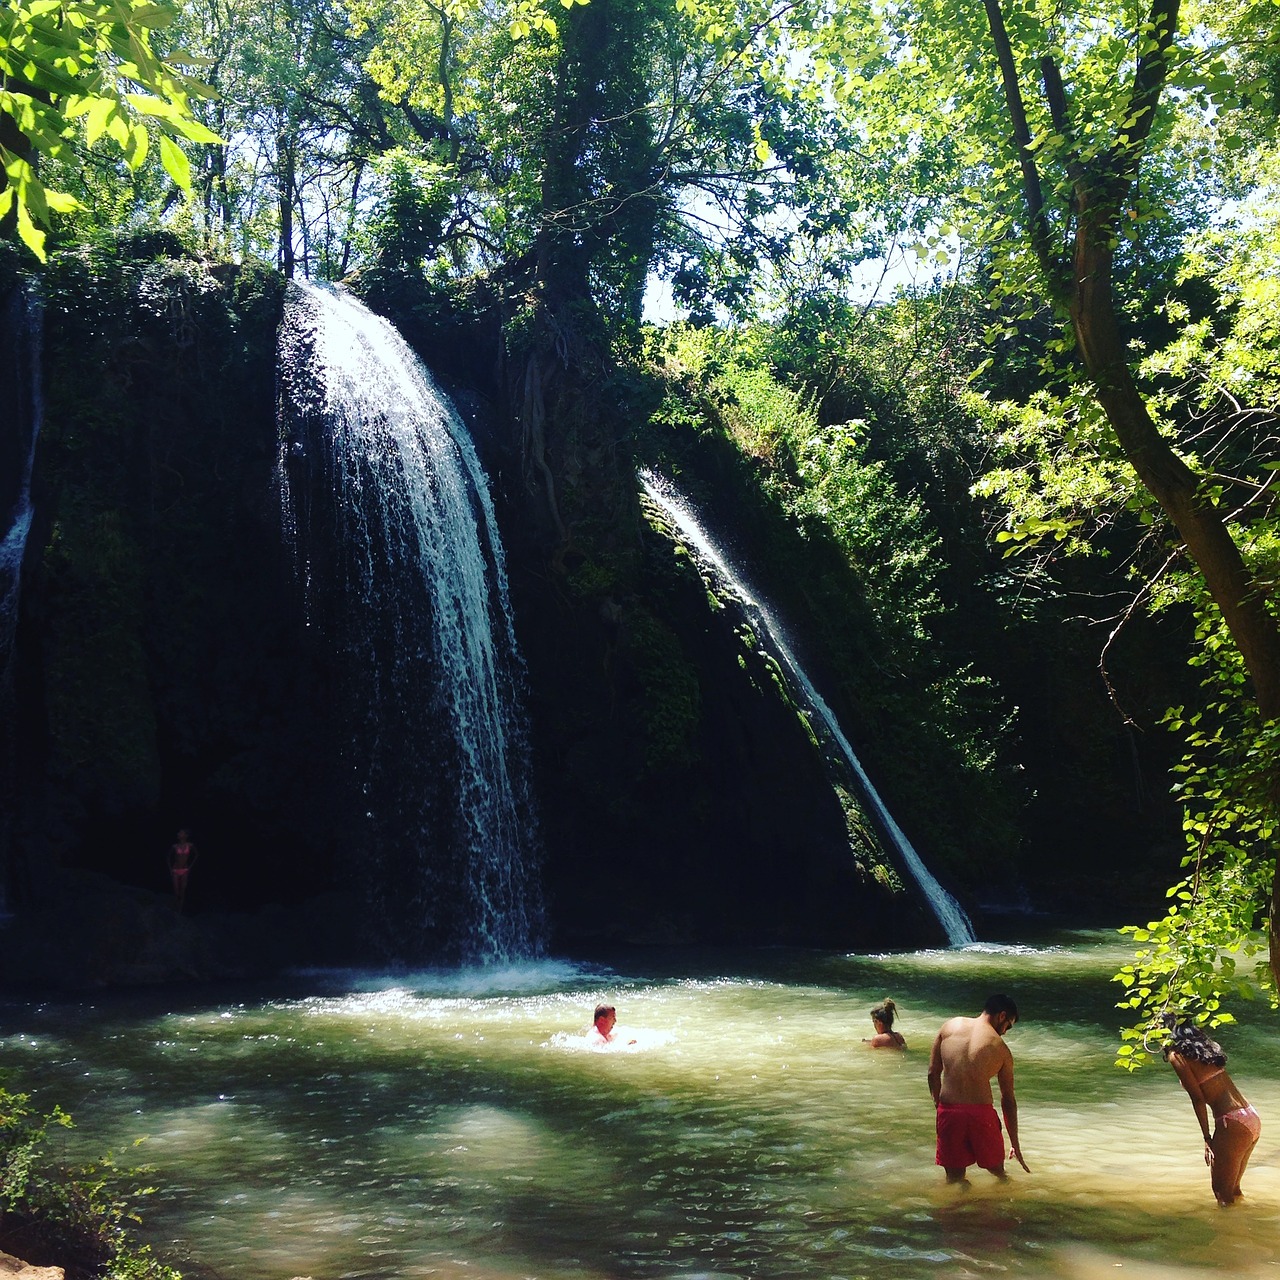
(1190,1041)
(885,1013)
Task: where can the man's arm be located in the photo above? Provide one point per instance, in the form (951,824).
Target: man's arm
(935,1069)
(1009,1106)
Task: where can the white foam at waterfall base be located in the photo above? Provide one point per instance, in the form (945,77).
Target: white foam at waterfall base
(949,913)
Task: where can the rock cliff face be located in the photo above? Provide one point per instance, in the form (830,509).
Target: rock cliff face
(685,796)
(165,681)
(156,657)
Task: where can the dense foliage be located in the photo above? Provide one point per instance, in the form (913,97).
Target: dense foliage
(854,560)
(53,1214)
(1088,381)
(85,68)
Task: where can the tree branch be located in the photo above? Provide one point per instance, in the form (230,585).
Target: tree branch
(1041,239)
(1148,83)
(1056,97)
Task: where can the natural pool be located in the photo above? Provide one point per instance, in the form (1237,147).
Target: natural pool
(454,1125)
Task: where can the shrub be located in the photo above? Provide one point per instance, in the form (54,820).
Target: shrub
(77,1218)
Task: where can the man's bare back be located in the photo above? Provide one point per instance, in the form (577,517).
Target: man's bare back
(970,1052)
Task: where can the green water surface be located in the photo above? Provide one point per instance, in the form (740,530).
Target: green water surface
(457,1125)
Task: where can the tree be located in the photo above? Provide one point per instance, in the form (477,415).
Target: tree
(1068,127)
(1098,177)
(302,122)
(91,62)
(1100,183)
(589,144)
(659,132)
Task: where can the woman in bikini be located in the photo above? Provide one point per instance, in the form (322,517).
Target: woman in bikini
(1202,1068)
(182,857)
(886,1037)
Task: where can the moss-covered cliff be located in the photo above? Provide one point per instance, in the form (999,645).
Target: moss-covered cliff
(154,633)
(168,683)
(682,796)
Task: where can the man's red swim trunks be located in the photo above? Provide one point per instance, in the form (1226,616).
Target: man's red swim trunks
(969,1133)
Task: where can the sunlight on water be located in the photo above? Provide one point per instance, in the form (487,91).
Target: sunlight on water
(455,1124)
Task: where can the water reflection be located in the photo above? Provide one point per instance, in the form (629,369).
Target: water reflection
(447,1124)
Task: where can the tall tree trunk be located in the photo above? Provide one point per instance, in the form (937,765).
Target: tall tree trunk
(1101,186)
(1174,485)
(285,166)
(1180,492)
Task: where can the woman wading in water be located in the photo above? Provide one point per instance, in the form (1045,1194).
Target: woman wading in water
(886,1037)
(1202,1068)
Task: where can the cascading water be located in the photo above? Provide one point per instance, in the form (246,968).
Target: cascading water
(24,322)
(404,579)
(949,913)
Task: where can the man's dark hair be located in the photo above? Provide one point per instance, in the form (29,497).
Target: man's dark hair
(1000,1004)
(602,1010)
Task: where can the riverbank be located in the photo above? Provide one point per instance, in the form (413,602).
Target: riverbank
(12,1268)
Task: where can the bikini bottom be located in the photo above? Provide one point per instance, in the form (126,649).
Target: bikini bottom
(1247,1118)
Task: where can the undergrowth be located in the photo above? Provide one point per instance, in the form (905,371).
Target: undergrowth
(77,1217)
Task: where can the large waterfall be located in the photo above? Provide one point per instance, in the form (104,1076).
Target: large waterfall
(17,460)
(949,913)
(405,585)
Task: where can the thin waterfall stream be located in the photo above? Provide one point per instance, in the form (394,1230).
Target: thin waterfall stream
(404,579)
(950,915)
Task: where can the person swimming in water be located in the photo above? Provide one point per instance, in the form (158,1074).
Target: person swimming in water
(182,857)
(886,1037)
(602,1031)
(1201,1066)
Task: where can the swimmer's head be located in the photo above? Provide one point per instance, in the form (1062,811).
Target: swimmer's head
(883,1014)
(605,1011)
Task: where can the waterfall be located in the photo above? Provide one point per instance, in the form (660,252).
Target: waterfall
(949,913)
(403,577)
(24,395)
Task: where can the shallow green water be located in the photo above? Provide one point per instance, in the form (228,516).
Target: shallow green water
(456,1125)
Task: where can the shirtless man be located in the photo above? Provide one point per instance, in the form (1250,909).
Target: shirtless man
(966,1054)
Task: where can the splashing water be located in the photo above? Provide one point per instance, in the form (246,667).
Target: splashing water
(405,576)
(949,913)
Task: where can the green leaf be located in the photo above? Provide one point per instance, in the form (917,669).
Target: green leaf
(175,162)
(100,111)
(29,233)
